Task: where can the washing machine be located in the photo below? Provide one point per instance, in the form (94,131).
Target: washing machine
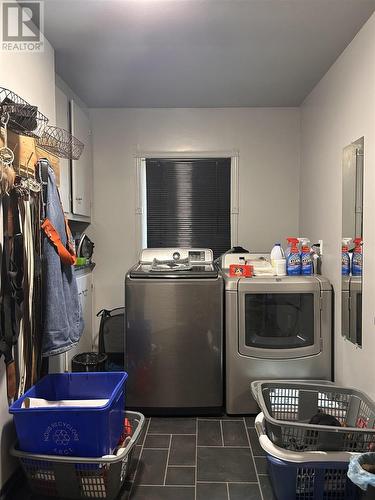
(174,333)
(276,328)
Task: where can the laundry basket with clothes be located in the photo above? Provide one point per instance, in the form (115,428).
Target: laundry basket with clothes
(307,416)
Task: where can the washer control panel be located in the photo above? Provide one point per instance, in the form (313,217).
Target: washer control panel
(195,255)
(176,256)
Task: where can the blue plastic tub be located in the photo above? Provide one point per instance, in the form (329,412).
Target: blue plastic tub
(77,431)
(311,480)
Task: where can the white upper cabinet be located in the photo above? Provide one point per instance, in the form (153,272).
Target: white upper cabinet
(82,168)
(62,121)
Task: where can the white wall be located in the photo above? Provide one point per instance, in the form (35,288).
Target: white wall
(70,94)
(32,76)
(268,144)
(338,111)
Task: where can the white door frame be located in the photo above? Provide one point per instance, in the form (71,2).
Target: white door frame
(141,208)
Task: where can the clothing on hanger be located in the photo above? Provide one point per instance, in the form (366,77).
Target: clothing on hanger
(20,290)
(62,315)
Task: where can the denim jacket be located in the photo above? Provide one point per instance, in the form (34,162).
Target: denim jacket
(62,315)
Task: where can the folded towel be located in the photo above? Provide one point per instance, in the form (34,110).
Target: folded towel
(43,403)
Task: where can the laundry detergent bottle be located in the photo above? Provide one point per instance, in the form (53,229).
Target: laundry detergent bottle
(293,258)
(357,259)
(277,253)
(306,260)
(345,257)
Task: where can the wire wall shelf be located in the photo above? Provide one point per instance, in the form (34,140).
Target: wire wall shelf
(60,143)
(24,119)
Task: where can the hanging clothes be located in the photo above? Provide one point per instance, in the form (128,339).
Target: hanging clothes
(62,315)
(40,312)
(20,291)
(12,290)
(29,342)
(36,299)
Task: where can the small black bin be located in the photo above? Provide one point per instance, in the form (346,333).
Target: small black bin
(89,362)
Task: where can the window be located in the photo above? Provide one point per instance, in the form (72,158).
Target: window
(188,203)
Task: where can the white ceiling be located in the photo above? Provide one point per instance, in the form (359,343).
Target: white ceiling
(199,53)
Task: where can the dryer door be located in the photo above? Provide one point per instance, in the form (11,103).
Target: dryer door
(279,318)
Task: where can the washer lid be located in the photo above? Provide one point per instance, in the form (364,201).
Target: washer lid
(202,271)
(162,266)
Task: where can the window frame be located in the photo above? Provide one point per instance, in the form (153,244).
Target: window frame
(141,194)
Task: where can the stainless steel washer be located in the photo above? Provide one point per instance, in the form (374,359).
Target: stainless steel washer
(174,332)
(276,328)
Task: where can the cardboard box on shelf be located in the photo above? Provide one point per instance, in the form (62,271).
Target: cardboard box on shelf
(26,152)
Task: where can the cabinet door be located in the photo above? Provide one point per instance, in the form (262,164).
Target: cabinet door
(82,168)
(62,121)
(84,284)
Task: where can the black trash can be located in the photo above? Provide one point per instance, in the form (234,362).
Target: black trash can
(89,362)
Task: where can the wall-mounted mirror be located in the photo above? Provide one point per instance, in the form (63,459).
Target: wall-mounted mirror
(352,241)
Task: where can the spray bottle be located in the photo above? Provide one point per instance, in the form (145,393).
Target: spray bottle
(345,257)
(306,260)
(293,260)
(357,259)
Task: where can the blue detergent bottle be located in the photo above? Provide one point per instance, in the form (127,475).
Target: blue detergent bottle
(306,260)
(293,260)
(345,257)
(357,259)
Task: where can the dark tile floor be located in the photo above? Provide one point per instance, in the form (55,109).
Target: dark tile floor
(198,459)
(193,459)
